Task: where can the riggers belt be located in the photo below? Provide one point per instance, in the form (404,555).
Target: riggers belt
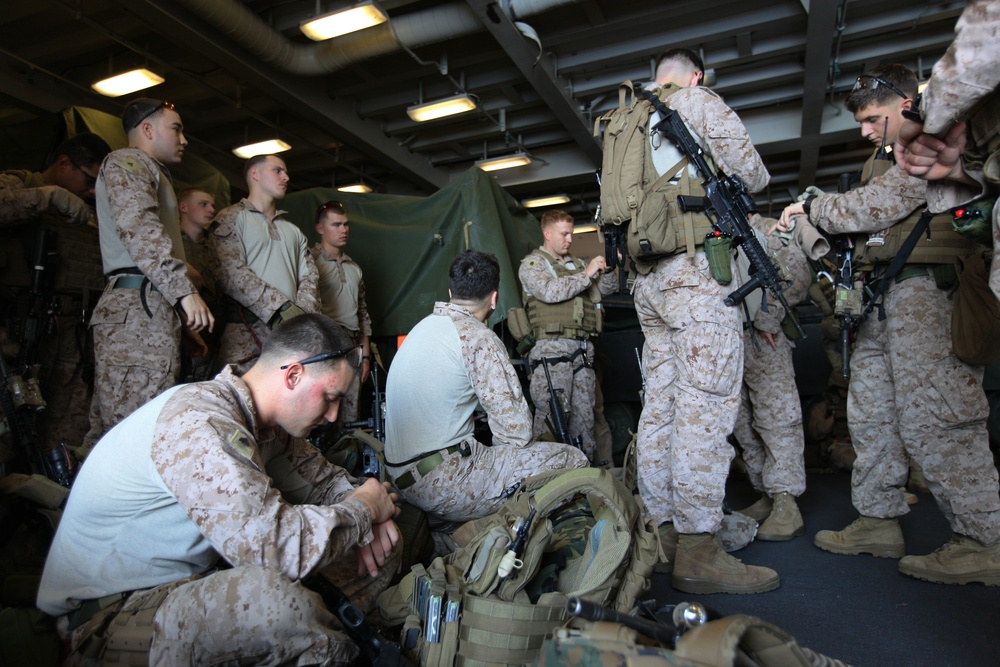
(634,194)
(940,245)
(579,317)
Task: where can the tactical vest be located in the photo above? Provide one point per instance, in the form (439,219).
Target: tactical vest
(941,244)
(579,317)
(633,192)
(77,250)
(113,251)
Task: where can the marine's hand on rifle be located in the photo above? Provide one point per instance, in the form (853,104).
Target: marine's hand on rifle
(597,266)
(768,338)
(197,316)
(373,555)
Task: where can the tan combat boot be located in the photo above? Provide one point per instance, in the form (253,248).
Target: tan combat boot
(702,567)
(784,522)
(668,546)
(759,510)
(865,535)
(963,560)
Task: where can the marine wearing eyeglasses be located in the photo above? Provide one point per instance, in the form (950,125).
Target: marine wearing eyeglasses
(56,200)
(910,397)
(138,320)
(220,470)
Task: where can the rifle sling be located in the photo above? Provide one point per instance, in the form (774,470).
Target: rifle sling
(896,266)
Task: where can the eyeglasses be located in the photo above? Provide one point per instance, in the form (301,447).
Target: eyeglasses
(89,179)
(873,82)
(351,354)
(163,105)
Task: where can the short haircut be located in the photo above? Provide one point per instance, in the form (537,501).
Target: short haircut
(306,336)
(873,92)
(84,150)
(681,56)
(138,110)
(253,162)
(554,216)
(473,275)
(331,206)
(187,192)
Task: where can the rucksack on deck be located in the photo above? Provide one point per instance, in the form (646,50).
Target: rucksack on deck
(588,538)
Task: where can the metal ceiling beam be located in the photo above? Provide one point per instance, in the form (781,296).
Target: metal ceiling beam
(540,73)
(302,98)
(820,33)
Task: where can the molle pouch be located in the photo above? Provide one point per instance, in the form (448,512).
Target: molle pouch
(719,252)
(789,325)
(578,308)
(517,322)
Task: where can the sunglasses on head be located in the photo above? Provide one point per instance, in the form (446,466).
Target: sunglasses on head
(351,354)
(873,82)
(163,105)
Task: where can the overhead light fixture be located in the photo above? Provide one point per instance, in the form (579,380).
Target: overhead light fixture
(127,82)
(441,108)
(583,229)
(356,187)
(538,202)
(268,147)
(504,162)
(334,24)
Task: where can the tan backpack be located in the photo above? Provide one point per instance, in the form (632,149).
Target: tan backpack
(588,537)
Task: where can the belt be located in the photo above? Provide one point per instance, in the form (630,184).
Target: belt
(128,281)
(424,466)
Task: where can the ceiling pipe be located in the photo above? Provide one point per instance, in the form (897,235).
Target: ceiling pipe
(429,26)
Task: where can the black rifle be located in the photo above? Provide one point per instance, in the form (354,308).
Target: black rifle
(615,250)
(371,466)
(375,649)
(727,202)
(20,395)
(557,419)
(665,634)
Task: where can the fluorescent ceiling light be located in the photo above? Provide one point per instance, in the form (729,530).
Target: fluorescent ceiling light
(583,229)
(128,82)
(261,148)
(440,108)
(538,202)
(335,24)
(504,162)
(357,187)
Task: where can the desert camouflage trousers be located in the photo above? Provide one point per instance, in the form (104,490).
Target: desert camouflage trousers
(910,397)
(769,424)
(136,355)
(241,344)
(463,488)
(577,381)
(245,615)
(693,363)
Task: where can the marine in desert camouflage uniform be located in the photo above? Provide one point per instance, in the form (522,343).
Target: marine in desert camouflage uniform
(342,292)
(56,200)
(221,469)
(769,424)
(562,296)
(137,330)
(964,82)
(693,360)
(909,395)
(450,363)
(262,263)
(197,208)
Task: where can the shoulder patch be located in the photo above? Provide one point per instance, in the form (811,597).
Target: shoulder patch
(239,442)
(129,164)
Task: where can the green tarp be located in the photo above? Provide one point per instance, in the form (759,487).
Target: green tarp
(404,245)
